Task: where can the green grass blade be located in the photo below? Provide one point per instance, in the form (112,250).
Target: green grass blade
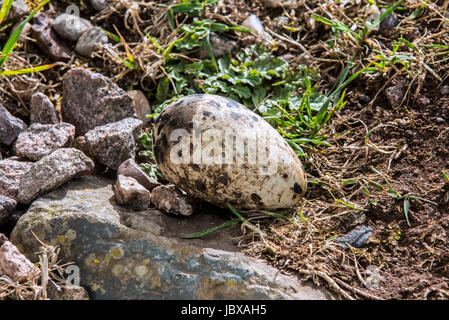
(188,8)
(445,175)
(171,19)
(209,50)
(5,9)
(112,36)
(27,70)
(406,207)
(382,17)
(12,41)
(226,224)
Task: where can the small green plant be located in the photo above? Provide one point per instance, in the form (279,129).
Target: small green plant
(145,144)
(396,195)
(288,99)
(358,36)
(191,8)
(12,41)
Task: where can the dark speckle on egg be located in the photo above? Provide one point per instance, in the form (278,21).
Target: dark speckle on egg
(297,188)
(164,141)
(231,103)
(200,185)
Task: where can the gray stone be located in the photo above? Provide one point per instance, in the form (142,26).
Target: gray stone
(356,238)
(11,173)
(42,110)
(7,205)
(141,105)
(129,192)
(92,40)
(91,100)
(40,140)
(254,24)
(390,22)
(51,172)
(70,27)
(130,168)
(169,199)
(99,4)
(444,90)
(123,254)
(363,98)
(114,143)
(10,126)
(395,94)
(47,39)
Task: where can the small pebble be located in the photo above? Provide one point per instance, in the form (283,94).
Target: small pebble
(390,22)
(444,90)
(363,98)
(91,41)
(423,100)
(356,238)
(70,27)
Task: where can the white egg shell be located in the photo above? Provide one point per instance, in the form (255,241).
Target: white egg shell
(217,150)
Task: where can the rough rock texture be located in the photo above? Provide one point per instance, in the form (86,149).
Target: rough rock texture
(18,9)
(123,254)
(169,199)
(395,94)
(70,26)
(42,110)
(11,173)
(114,143)
(15,265)
(10,126)
(67,293)
(91,41)
(40,140)
(47,39)
(141,105)
(356,238)
(130,168)
(51,172)
(91,100)
(129,192)
(390,22)
(6,206)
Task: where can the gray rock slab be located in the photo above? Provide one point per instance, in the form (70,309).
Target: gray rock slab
(123,254)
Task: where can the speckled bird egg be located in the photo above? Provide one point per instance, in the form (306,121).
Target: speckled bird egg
(217,150)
